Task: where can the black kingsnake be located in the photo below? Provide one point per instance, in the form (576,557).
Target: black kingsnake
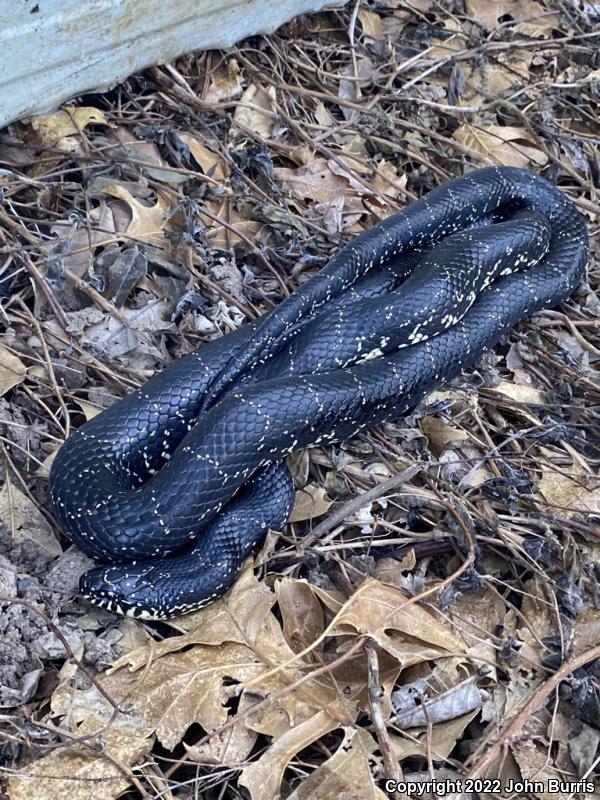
(191,463)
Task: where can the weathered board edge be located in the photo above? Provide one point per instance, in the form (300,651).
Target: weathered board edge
(57,49)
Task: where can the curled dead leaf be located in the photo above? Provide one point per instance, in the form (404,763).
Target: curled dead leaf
(72,771)
(521,393)
(147,223)
(62,128)
(440,435)
(226,83)
(251,112)
(25,522)
(380,610)
(12,370)
(504,144)
(310,502)
(531,18)
(211,163)
(569,495)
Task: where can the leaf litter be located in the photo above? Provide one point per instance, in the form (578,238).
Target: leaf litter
(432,608)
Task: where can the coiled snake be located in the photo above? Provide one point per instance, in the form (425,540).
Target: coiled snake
(181,479)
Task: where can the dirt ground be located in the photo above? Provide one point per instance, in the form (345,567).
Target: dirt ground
(432,610)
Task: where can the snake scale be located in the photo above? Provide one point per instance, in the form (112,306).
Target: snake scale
(174,485)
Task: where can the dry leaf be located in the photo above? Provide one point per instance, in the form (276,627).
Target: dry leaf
(62,128)
(212,164)
(226,83)
(534,765)
(223,237)
(127,271)
(80,772)
(43,471)
(455,702)
(356,144)
(371,24)
(236,648)
(384,612)
(310,502)
(263,778)
(440,435)
(301,613)
(346,774)
(323,116)
(115,338)
(89,409)
(316,181)
(507,145)
(386,180)
(148,152)
(232,746)
(12,370)
(439,743)
(236,641)
(147,223)
(531,17)
(567,495)
(77,244)
(521,393)
(25,522)
(491,78)
(254,118)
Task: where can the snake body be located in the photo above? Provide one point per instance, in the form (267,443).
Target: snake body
(176,483)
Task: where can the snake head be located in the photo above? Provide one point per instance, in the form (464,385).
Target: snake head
(128,589)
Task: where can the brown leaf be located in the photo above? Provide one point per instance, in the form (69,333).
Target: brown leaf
(569,495)
(371,24)
(508,145)
(316,181)
(147,223)
(301,613)
(148,152)
(348,773)
(232,746)
(62,128)
(520,392)
(238,639)
(439,743)
(535,22)
(25,522)
(89,409)
(212,164)
(386,180)
(494,77)
(12,370)
(384,612)
(440,435)
(81,773)
(533,763)
(263,778)
(310,502)
(79,243)
(254,118)
(226,83)
(223,237)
